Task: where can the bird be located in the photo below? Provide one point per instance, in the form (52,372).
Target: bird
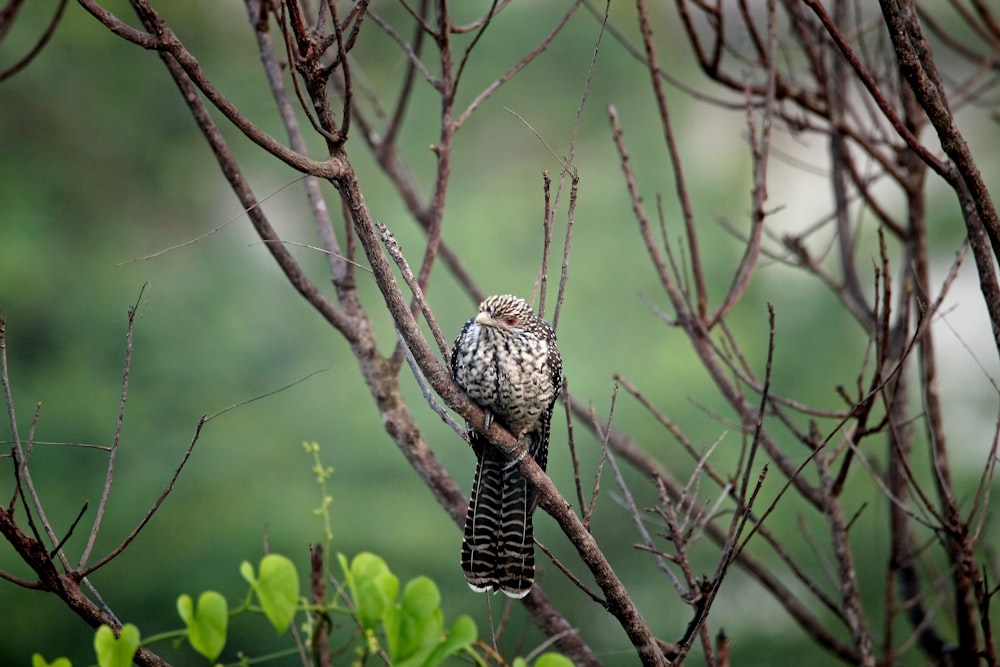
(507,361)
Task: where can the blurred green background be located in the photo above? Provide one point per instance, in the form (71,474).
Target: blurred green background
(101,164)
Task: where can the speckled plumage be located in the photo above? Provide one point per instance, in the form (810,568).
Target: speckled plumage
(507,361)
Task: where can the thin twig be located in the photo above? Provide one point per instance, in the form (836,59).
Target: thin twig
(564,274)
(392,247)
(428,393)
(633,510)
(116,438)
(673,151)
(487,92)
(571,442)
(569,575)
(43,39)
(602,432)
(114,553)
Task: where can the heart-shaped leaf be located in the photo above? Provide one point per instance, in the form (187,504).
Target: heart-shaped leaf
(116,651)
(277,588)
(38,661)
(207,625)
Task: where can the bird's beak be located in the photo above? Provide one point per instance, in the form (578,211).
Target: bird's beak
(484,318)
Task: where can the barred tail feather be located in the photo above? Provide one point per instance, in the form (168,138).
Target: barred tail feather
(516,565)
(480,544)
(498,550)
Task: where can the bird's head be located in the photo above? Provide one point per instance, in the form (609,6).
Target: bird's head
(504,312)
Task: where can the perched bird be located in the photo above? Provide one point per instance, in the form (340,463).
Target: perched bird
(506,360)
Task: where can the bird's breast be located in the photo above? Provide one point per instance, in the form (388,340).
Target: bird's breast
(506,374)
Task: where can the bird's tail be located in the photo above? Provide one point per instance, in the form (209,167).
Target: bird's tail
(498,550)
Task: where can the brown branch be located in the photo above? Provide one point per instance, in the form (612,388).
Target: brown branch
(917,65)
(320,634)
(564,272)
(542,277)
(64,586)
(852,609)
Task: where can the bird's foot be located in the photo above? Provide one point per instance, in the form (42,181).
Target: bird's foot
(487,422)
(517,459)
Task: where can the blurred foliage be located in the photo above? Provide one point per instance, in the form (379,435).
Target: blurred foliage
(102,166)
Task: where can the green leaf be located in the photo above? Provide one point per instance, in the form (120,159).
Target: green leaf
(277,589)
(463,633)
(246,571)
(421,597)
(519,662)
(38,661)
(553,660)
(373,587)
(116,651)
(423,620)
(206,627)
(417,626)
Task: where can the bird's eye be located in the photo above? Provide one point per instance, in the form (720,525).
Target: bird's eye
(510,320)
